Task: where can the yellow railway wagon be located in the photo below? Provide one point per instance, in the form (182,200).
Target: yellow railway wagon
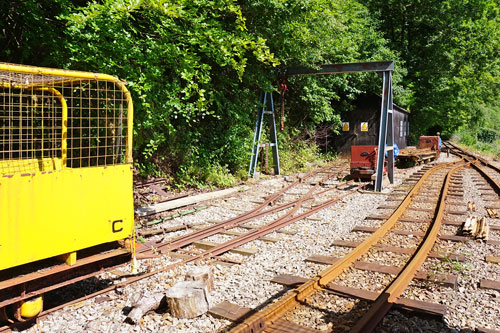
(65,163)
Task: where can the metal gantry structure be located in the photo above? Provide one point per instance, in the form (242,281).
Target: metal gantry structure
(386,135)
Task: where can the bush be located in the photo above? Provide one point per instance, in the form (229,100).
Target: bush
(487,135)
(467,138)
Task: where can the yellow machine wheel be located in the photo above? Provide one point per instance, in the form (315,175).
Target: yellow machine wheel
(21,311)
(31,308)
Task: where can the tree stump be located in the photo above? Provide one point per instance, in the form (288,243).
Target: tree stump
(201,273)
(188,299)
(142,304)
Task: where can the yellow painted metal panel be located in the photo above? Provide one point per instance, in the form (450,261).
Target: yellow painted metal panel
(8,167)
(45,214)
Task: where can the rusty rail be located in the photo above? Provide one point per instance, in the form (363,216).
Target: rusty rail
(260,320)
(188,239)
(387,298)
(255,213)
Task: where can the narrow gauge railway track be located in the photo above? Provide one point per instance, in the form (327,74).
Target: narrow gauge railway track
(289,217)
(256,213)
(273,318)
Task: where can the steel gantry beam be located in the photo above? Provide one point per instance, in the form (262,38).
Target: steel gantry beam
(386,135)
(358,67)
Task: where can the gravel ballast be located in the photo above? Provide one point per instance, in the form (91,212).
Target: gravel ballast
(248,284)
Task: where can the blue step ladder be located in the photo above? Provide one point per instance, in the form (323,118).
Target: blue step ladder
(266,101)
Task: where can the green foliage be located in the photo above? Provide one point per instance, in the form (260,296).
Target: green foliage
(479,139)
(183,61)
(296,153)
(30,32)
(195,69)
(205,176)
(314,32)
(487,135)
(450,49)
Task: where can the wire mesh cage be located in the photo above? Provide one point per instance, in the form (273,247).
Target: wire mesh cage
(55,119)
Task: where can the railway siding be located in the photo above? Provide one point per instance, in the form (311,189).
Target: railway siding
(250,285)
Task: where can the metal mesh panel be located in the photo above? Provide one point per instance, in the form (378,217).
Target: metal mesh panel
(50,122)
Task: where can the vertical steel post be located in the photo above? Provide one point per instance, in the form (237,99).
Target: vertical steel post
(383,130)
(274,138)
(256,136)
(390,132)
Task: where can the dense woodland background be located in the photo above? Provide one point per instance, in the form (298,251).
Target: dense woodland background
(195,69)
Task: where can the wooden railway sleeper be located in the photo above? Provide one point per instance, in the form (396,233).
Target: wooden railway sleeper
(291,299)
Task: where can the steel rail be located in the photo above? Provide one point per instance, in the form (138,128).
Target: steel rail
(243,218)
(268,228)
(210,253)
(259,321)
(294,204)
(389,296)
(205,255)
(495,184)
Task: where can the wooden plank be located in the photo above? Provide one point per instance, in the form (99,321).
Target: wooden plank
(321,259)
(158,190)
(454,238)
(421,306)
(493,242)
(388,207)
(412,220)
(351,292)
(492,259)
(431,201)
(445,279)
(416,209)
(289,280)
(489,284)
(456,212)
(229,311)
(397,232)
(377,217)
(448,222)
(208,245)
(403,303)
(394,249)
(143,256)
(172,204)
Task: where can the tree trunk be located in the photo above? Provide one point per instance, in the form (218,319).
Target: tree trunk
(188,299)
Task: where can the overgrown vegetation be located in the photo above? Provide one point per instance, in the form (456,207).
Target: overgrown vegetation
(195,68)
(484,135)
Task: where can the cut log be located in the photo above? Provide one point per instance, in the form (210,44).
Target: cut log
(142,304)
(201,273)
(188,299)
